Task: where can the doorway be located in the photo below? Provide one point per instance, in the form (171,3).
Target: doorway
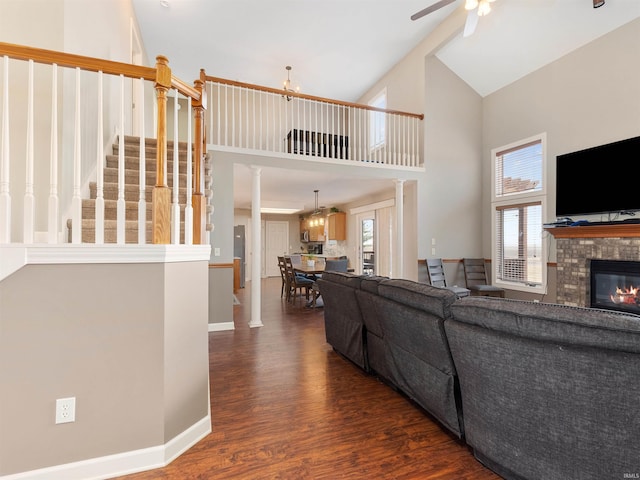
(366,264)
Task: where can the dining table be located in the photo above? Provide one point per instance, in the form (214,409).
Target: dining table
(304,268)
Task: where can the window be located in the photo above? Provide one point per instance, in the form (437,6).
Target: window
(377,120)
(518,258)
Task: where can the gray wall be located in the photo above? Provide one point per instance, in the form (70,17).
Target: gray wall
(129,341)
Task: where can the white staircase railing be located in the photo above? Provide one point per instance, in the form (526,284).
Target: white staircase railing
(58,112)
(245,116)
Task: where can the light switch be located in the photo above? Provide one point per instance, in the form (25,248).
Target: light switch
(216,251)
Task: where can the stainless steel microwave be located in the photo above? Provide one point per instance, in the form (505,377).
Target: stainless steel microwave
(304,236)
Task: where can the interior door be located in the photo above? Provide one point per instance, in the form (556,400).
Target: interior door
(366,243)
(276,243)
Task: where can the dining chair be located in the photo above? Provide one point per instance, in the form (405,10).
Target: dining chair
(475,276)
(336,265)
(283,275)
(437,278)
(295,282)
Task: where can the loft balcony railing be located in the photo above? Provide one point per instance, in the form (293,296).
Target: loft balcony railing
(250,117)
(59,112)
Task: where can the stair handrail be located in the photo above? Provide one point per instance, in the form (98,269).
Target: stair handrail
(164,80)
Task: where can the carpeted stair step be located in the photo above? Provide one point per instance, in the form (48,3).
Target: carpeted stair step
(132,177)
(111,210)
(111,234)
(133,163)
(131,192)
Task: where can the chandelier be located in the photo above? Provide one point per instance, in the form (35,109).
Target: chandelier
(317,218)
(287,84)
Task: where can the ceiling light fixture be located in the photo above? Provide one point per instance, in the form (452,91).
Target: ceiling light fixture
(280,207)
(164,3)
(598,3)
(287,84)
(316,210)
(483,6)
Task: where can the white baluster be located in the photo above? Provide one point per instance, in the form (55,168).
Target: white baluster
(280,127)
(28,215)
(226,115)
(188,209)
(121,204)
(407,141)
(175,207)
(233,116)
(267,127)
(76,199)
(219,87)
(349,133)
(142,200)
(54,202)
(260,119)
(417,127)
(254,120)
(5,195)
(247,121)
(99,228)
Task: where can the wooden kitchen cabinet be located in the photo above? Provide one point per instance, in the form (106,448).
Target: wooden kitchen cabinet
(337,227)
(315,227)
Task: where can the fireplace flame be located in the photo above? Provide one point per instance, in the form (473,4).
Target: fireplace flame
(628,296)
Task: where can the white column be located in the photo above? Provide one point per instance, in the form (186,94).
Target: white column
(256,271)
(399,267)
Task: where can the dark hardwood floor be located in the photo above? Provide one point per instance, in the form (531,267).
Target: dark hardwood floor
(284,405)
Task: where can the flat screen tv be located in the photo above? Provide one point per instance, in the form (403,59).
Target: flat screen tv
(603,179)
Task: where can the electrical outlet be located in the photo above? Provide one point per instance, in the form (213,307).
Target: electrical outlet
(66,410)
(433,250)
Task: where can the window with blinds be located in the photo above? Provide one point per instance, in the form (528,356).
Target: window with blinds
(518,205)
(519,169)
(519,243)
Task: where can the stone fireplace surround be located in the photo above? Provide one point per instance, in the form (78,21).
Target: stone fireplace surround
(576,246)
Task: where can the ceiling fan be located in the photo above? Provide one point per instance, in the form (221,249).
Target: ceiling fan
(476,8)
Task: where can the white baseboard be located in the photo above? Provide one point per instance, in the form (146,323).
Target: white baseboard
(221,327)
(122,463)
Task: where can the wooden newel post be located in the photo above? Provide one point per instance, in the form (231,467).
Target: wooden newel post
(161,195)
(198,198)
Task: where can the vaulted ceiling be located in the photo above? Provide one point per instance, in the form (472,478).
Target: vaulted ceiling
(340,48)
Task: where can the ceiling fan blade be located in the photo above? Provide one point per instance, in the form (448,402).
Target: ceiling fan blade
(432,8)
(471,23)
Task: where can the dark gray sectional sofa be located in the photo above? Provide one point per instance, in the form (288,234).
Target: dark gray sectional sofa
(402,335)
(538,391)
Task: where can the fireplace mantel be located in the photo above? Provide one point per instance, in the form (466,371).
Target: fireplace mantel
(625,230)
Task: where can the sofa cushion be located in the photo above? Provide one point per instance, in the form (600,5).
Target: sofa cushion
(436,301)
(552,322)
(370,283)
(343,278)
